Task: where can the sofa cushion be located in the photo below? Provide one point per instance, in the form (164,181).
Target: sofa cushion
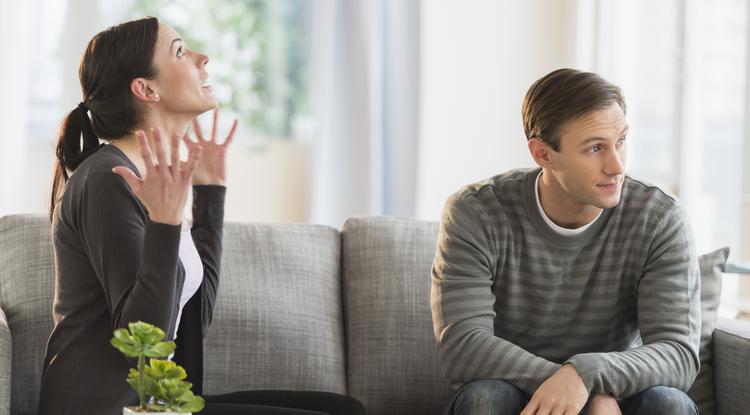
(27,285)
(278,320)
(711,267)
(392,355)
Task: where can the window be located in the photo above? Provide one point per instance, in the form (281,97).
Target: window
(258,51)
(682,64)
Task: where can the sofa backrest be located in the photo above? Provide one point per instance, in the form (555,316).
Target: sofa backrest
(278,320)
(299,307)
(392,355)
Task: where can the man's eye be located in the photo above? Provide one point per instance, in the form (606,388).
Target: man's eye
(622,140)
(595,149)
(180,53)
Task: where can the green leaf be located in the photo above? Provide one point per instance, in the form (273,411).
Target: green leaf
(125,348)
(124,336)
(176,373)
(161,349)
(194,404)
(165,369)
(147,334)
(133,383)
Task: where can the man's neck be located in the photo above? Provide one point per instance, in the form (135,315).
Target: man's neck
(561,208)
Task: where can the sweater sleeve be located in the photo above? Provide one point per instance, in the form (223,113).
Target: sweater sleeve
(207,232)
(669,319)
(462,307)
(134,259)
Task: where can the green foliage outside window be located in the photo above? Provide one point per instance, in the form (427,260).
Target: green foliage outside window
(258,55)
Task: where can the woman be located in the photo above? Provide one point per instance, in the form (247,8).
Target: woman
(122,250)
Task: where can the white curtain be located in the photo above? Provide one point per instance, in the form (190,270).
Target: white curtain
(365,90)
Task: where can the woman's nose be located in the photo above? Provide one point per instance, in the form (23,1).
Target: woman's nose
(202,59)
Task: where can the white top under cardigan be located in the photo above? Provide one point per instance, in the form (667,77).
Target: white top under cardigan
(191,261)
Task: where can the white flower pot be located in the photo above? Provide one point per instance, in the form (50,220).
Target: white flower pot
(130,410)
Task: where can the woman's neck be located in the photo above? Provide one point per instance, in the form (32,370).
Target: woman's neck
(170,126)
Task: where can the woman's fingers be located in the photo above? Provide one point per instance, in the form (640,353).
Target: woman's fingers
(216,122)
(231,134)
(197,129)
(130,178)
(146,153)
(174,166)
(194,155)
(189,143)
(161,158)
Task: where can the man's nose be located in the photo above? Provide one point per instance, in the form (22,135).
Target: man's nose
(615,164)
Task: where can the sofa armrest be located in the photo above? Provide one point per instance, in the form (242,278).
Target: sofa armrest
(732,366)
(5,362)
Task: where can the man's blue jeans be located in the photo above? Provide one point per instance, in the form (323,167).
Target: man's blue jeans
(497,397)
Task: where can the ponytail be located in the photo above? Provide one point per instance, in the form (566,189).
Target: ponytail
(113,58)
(75,142)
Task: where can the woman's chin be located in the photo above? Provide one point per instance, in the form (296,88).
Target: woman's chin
(210,104)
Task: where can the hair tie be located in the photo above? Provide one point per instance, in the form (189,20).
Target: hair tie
(90,140)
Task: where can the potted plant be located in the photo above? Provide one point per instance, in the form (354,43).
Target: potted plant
(159,383)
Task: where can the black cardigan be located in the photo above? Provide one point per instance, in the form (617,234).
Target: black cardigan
(114,266)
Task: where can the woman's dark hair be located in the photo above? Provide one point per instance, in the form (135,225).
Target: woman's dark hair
(113,58)
(561,96)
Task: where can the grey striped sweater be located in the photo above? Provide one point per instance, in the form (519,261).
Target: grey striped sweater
(513,300)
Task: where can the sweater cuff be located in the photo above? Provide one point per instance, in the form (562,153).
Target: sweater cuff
(588,366)
(161,244)
(208,205)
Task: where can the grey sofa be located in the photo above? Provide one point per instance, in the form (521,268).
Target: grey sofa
(300,307)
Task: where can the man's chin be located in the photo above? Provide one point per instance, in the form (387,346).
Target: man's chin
(608,203)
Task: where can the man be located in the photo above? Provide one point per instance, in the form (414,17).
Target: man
(571,287)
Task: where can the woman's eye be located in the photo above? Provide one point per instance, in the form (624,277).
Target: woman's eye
(180,53)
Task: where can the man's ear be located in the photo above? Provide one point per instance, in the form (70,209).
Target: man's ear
(540,151)
(142,91)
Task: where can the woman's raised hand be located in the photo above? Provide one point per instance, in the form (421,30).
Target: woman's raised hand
(165,186)
(211,168)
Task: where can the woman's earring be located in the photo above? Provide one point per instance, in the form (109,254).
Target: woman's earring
(156,97)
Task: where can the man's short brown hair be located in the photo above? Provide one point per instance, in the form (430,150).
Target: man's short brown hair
(561,96)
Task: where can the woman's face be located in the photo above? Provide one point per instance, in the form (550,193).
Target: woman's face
(181,75)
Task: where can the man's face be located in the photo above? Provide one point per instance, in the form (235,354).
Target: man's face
(590,164)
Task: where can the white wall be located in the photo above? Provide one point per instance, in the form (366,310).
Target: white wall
(478,60)
(14,75)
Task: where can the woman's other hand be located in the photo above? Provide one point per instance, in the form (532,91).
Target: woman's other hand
(164,187)
(211,169)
